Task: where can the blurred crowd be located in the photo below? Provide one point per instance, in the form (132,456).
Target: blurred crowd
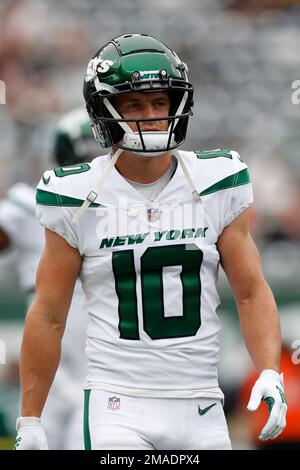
(243,56)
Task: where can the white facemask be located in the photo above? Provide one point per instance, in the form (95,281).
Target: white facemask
(152,140)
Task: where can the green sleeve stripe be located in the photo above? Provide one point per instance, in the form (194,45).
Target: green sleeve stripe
(205,154)
(45,198)
(232,181)
(86,427)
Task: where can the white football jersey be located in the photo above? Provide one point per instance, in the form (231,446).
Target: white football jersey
(17,217)
(149,270)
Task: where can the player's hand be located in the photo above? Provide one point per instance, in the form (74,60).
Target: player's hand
(31,435)
(269,387)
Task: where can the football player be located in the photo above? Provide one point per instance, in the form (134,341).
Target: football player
(63,413)
(19,229)
(146,227)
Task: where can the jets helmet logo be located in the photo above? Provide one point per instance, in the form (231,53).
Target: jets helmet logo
(104,65)
(97,65)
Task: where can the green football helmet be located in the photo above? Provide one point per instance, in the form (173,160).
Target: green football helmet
(137,63)
(74,141)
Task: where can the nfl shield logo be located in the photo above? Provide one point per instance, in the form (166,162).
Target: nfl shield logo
(114,403)
(153,214)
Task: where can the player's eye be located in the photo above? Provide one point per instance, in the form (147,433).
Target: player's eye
(162,103)
(133,106)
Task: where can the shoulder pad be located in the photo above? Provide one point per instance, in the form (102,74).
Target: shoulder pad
(219,169)
(66,185)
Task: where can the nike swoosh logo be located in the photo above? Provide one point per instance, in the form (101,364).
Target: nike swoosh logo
(205,410)
(46,180)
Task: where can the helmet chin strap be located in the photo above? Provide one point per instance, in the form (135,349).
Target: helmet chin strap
(187,175)
(94,193)
(191,184)
(92,196)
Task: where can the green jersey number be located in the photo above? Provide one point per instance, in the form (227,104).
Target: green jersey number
(156,325)
(71,170)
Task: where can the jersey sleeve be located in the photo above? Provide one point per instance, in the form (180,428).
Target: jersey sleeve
(240,194)
(51,212)
(10,220)
(14,209)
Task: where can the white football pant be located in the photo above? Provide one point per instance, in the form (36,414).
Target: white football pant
(114,421)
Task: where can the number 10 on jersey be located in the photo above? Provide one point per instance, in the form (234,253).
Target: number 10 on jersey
(153,260)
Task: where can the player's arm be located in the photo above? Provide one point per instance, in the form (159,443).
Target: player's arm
(4,239)
(44,327)
(255,302)
(258,318)
(45,321)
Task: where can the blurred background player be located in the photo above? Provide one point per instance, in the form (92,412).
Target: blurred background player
(62,417)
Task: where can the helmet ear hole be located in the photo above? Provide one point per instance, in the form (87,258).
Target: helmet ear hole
(99,133)
(106,132)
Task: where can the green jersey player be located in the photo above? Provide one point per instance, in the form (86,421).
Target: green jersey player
(146,227)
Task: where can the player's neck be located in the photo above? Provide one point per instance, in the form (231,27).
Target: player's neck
(143,170)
